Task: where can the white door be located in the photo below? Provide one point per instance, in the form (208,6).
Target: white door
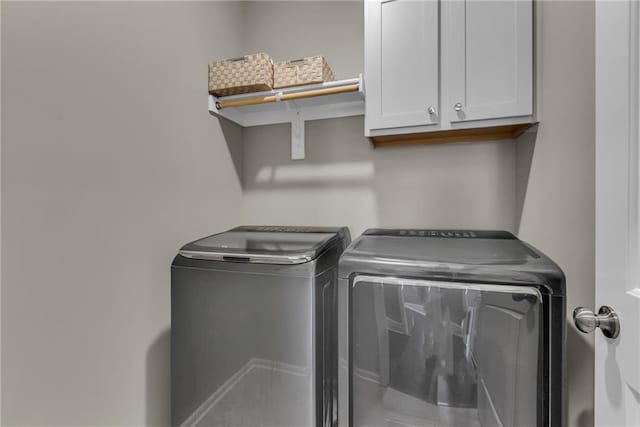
(401,63)
(487,59)
(617,361)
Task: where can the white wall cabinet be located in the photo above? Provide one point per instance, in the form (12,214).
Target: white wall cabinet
(402,50)
(443,65)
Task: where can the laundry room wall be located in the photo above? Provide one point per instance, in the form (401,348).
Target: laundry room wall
(343,180)
(540,186)
(110,162)
(556,175)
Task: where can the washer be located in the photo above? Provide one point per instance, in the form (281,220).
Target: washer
(450,328)
(254,328)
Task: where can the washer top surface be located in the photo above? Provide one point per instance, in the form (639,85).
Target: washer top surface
(470,255)
(265,244)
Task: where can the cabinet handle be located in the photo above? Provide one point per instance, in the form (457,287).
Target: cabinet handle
(431,111)
(457,106)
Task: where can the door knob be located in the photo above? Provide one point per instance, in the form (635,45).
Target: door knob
(457,106)
(431,111)
(607,320)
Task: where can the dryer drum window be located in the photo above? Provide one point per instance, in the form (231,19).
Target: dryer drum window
(445,353)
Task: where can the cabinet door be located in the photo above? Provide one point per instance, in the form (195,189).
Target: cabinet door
(488,59)
(401,63)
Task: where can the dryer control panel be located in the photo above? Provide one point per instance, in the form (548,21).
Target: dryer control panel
(450,234)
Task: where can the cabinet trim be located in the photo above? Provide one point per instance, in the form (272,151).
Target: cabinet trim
(456,135)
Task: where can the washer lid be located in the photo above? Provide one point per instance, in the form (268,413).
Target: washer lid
(265,244)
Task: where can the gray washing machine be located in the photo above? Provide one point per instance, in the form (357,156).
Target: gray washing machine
(450,328)
(254,328)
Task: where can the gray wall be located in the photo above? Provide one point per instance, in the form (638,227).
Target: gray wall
(110,162)
(343,180)
(556,174)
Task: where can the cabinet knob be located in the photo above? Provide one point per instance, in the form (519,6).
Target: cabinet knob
(457,106)
(431,110)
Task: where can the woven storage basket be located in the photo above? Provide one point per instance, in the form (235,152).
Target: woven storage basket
(250,73)
(310,70)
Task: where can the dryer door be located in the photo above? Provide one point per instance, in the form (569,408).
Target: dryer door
(441,353)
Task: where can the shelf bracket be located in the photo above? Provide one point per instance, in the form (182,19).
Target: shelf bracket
(297,137)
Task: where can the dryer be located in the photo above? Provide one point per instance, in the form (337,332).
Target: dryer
(450,328)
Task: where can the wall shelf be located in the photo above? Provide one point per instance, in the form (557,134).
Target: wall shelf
(295,105)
